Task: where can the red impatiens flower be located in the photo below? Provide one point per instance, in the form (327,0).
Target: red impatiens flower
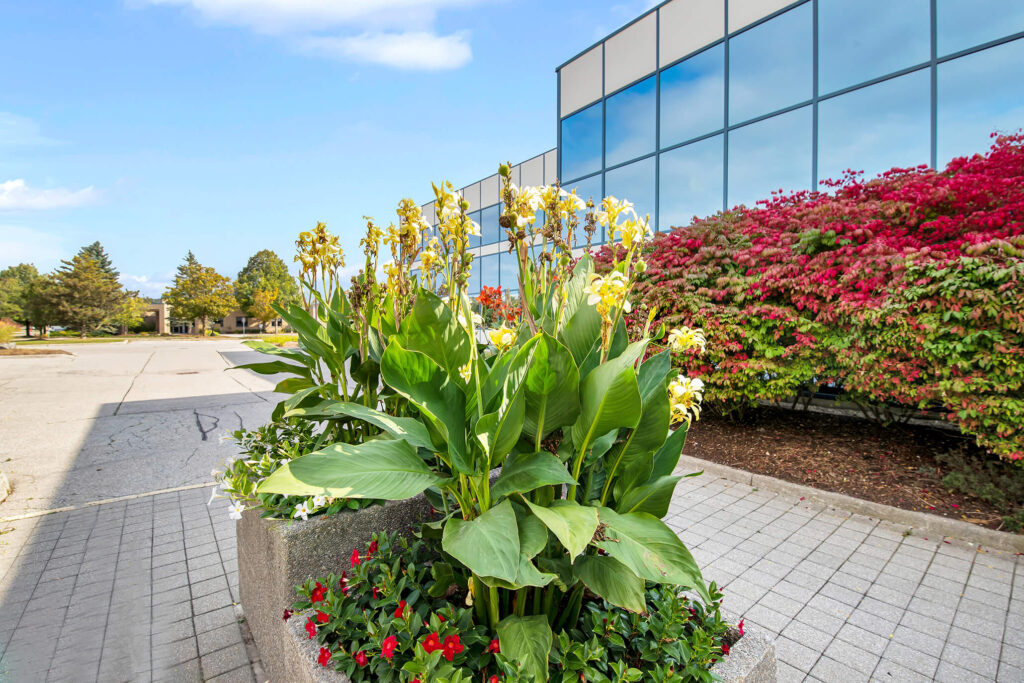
(495,646)
(318,593)
(740,626)
(325,657)
(322,617)
(431,643)
(287,614)
(373,548)
(355,557)
(387,648)
(725,648)
(361,658)
(400,609)
(452,647)
(311,629)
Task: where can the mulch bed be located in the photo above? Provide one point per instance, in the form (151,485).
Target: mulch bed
(33,352)
(893,465)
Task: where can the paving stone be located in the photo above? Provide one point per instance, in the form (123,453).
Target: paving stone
(863,638)
(223,661)
(851,656)
(972,661)
(795,654)
(917,661)
(827,669)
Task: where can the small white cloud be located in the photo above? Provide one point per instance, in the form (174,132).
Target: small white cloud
(19,131)
(419,50)
(17,195)
(148,285)
(19,244)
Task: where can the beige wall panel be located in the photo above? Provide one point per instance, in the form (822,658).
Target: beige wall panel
(688,25)
(489,190)
(532,171)
(744,12)
(472,195)
(550,166)
(581,81)
(630,54)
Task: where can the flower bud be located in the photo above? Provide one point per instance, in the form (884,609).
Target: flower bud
(504,170)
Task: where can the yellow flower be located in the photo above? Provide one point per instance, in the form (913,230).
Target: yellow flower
(502,337)
(607,294)
(635,230)
(466,371)
(683,338)
(611,210)
(684,398)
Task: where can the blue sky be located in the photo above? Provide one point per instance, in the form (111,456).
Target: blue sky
(226,126)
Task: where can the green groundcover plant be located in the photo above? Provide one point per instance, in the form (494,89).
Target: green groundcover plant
(398,613)
(577,417)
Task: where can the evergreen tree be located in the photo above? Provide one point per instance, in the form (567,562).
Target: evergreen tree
(264,274)
(199,293)
(15,284)
(97,251)
(41,303)
(87,295)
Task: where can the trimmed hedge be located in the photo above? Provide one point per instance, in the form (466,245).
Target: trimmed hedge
(904,291)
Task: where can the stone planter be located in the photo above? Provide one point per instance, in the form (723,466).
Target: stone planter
(276,555)
(751,659)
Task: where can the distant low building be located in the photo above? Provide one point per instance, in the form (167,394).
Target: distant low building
(159,318)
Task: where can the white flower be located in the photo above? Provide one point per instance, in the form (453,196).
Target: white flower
(319,501)
(683,338)
(473,228)
(477,320)
(302,511)
(685,396)
(236,510)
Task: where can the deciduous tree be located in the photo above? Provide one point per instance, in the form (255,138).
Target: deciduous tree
(15,283)
(199,293)
(265,273)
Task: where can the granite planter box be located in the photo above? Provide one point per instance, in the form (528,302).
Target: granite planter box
(751,659)
(274,556)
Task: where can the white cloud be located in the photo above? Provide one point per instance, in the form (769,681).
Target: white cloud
(19,244)
(412,50)
(395,33)
(21,132)
(148,285)
(16,195)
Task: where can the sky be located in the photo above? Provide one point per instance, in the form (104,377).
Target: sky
(227,126)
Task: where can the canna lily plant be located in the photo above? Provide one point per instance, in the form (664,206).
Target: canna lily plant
(578,419)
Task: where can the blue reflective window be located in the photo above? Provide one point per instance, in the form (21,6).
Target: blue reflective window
(581,142)
(488,266)
(770,155)
(490,230)
(861,40)
(634,182)
(771,65)
(586,189)
(473,285)
(691,182)
(976,98)
(474,241)
(630,119)
(966,23)
(509,271)
(693,97)
(875,128)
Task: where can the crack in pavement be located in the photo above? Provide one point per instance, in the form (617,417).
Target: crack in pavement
(241,422)
(199,423)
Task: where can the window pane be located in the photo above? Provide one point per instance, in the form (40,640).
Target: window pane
(691,182)
(634,182)
(509,272)
(490,230)
(586,189)
(966,23)
(581,142)
(631,118)
(474,241)
(976,99)
(488,270)
(473,286)
(770,66)
(770,155)
(693,97)
(858,41)
(875,128)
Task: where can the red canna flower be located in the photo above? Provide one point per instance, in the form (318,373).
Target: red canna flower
(387,649)
(452,647)
(373,548)
(495,646)
(311,629)
(325,657)
(322,617)
(287,614)
(355,557)
(361,658)
(400,609)
(431,643)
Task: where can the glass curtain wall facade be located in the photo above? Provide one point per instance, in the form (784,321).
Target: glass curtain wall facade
(729,106)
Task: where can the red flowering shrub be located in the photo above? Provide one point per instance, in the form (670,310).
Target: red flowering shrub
(495,307)
(904,292)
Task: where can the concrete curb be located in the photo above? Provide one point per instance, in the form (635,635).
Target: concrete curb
(919,521)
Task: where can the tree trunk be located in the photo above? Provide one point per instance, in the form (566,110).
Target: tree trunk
(202,333)
(28,329)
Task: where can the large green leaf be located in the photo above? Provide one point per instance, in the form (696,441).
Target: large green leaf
(272,350)
(389,470)
(582,333)
(647,546)
(425,384)
(667,457)
(550,381)
(313,336)
(293,385)
(653,497)
(533,536)
(612,580)
(431,329)
(527,640)
(530,471)
(273,367)
(408,428)
(609,397)
(487,545)
(571,523)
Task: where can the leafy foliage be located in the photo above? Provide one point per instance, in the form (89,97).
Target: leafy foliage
(904,292)
(199,293)
(264,280)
